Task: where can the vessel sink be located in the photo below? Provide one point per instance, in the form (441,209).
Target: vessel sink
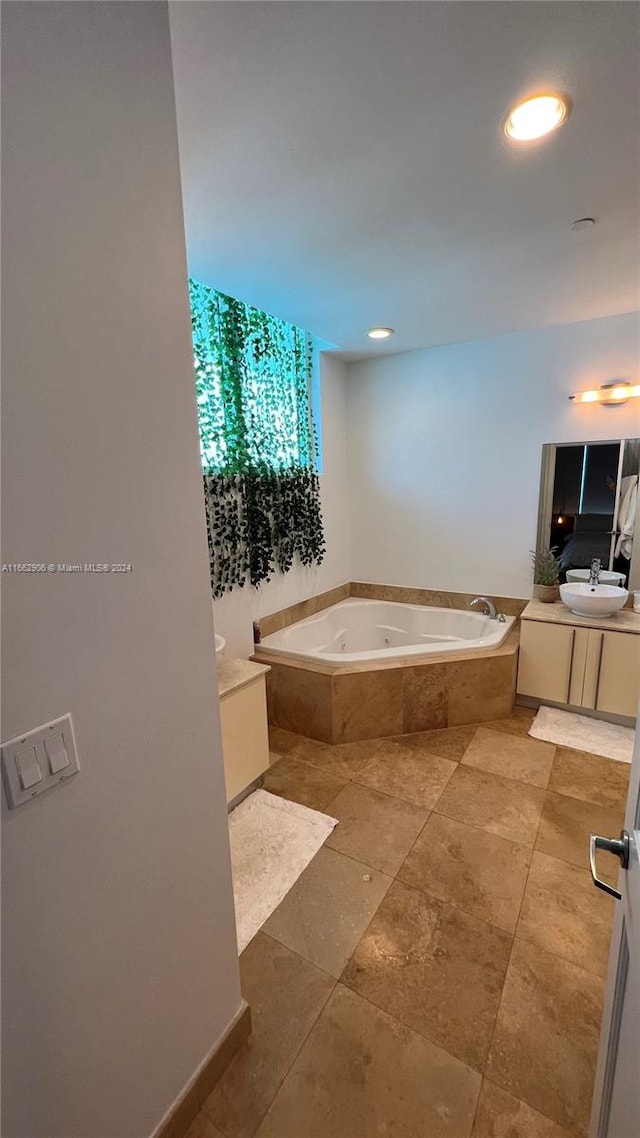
(592,600)
(607,577)
(220,646)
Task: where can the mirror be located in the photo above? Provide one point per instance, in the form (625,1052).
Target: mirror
(590,507)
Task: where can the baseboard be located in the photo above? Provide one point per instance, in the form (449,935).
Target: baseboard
(181,1114)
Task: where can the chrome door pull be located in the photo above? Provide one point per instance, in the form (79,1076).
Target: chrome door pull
(596,696)
(570,676)
(619,847)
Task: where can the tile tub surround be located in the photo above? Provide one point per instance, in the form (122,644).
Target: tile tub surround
(470,1000)
(441,598)
(276,621)
(382,698)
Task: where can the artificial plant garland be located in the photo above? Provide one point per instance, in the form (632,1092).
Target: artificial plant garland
(258,444)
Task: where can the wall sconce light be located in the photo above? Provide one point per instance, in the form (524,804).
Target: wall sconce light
(609,395)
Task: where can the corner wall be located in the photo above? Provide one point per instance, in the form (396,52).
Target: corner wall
(119,954)
(445,449)
(235,612)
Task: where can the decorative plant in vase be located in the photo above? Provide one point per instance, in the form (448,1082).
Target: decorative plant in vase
(546,575)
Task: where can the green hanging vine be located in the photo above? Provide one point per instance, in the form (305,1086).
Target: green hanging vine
(257,440)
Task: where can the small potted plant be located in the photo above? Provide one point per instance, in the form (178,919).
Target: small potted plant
(546,575)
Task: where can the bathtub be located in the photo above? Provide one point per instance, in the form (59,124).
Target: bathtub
(359,630)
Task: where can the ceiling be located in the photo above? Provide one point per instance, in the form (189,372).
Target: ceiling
(343,164)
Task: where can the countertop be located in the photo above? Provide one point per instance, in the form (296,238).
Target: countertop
(624,621)
(235,674)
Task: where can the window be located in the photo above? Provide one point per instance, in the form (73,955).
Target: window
(253,383)
(257,439)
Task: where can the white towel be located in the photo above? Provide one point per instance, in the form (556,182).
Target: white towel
(626,516)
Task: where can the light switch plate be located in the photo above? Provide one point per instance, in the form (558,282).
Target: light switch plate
(56,730)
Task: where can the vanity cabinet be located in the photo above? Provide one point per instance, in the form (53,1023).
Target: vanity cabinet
(545,664)
(243,720)
(593,668)
(618,674)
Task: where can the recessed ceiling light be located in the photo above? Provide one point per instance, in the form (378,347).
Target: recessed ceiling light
(380,333)
(533,118)
(582,223)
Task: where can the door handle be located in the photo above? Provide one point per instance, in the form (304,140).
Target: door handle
(573,648)
(617,846)
(596,696)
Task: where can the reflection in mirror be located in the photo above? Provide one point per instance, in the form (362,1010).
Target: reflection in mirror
(589,508)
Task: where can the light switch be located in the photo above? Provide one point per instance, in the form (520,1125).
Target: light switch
(39,760)
(28,770)
(56,753)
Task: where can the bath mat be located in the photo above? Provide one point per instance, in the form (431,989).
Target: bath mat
(583,733)
(272,841)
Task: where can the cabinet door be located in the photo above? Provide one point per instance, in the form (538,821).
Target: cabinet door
(545,662)
(618,678)
(245,739)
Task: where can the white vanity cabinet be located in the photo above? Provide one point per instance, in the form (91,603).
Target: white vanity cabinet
(617,680)
(243,720)
(577,662)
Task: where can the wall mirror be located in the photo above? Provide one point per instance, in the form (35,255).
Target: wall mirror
(590,507)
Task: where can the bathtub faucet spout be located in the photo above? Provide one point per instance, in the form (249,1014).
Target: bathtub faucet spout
(488,607)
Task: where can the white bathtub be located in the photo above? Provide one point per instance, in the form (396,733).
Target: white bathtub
(369,630)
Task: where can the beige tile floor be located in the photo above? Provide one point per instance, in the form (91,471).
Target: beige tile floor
(438,969)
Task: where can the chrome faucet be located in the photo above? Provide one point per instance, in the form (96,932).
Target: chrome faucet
(489,608)
(596,569)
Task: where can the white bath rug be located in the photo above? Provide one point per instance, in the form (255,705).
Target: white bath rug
(272,841)
(583,733)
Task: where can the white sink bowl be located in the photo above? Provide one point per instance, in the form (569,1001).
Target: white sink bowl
(220,646)
(606,576)
(592,600)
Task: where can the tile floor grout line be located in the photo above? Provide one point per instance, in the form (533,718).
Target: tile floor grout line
(513,945)
(408,1027)
(300,1048)
(531,848)
(446,901)
(557,956)
(365,866)
(495,774)
(535,1109)
(352,857)
(385,794)
(414,843)
(563,862)
(481,829)
(559,857)
(399,797)
(336,984)
(418,888)
(522,940)
(402,1022)
(295,953)
(452,905)
(306,1037)
(475,1113)
(441,1047)
(433,754)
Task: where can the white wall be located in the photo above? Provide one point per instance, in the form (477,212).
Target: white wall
(445,449)
(236,611)
(119,952)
